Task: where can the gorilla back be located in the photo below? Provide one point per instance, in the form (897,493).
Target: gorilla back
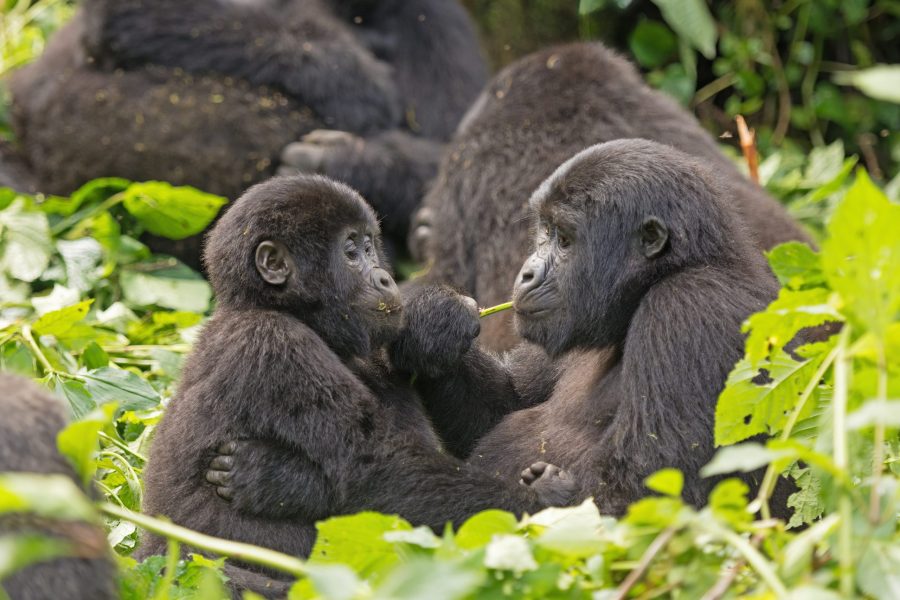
(533,116)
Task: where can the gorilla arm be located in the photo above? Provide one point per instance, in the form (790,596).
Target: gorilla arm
(465,389)
(310,57)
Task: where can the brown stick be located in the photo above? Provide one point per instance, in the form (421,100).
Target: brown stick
(747,137)
(652,550)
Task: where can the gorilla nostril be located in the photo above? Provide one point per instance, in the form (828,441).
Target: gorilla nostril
(385,281)
(527,276)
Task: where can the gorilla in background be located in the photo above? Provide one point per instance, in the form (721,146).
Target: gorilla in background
(473,226)
(32,418)
(14,173)
(218,93)
(631,307)
(294,360)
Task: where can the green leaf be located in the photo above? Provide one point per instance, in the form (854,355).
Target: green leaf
(586,7)
(509,553)
(335,582)
(477,531)
(668,482)
(421,536)
(743,458)
(52,496)
(125,388)
(82,259)
(80,441)
(435,580)
(59,322)
(692,21)
(172,212)
(94,357)
(79,398)
(758,400)
(793,310)
(878,573)
(796,265)
(876,412)
(798,553)
(25,245)
(825,164)
(807,502)
(861,257)
(172,285)
(358,542)
(652,43)
(728,501)
(575,531)
(881,82)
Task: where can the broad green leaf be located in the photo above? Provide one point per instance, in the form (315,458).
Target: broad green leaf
(796,265)
(420,536)
(792,311)
(478,530)
(881,82)
(576,531)
(509,553)
(52,496)
(173,285)
(421,579)
(358,542)
(94,357)
(80,441)
(669,482)
(125,388)
(825,164)
(652,43)
(878,572)
(82,259)
(59,298)
(80,400)
(335,582)
(657,512)
(861,257)
(728,501)
(25,245)
(169,211)
(692,21)
(59,322)
(759,399)
(743,458)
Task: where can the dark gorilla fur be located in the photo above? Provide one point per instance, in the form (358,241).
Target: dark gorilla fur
(631,306)
(293,360)
(533,116)
(208,93)
(28,429)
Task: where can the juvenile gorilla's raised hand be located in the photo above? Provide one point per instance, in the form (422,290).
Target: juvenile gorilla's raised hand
(439,327)
(554,486)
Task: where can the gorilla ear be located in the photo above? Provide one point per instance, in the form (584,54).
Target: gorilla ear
(273,262)
(654,237)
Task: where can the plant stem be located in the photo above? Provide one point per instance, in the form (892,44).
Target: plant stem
(123,446)
(486,312)
(655,547)
(36,350)
(80,217)
(768,483)
(750,554)
(245,552)
(839,425)
(878,450)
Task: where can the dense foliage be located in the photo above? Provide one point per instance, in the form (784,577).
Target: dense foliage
(88,311)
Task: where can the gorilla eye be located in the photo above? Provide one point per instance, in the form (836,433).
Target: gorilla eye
(350,249)
(369,248)
(563,240)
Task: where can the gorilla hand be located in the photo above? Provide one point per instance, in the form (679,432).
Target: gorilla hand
(439,328)
(317,150)
(554,486)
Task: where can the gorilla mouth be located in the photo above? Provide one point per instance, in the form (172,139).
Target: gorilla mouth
(387,309)
(532,312)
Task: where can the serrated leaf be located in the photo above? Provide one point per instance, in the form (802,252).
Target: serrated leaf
(169,211)
(758,399)
(693,22)
(861,257)
(25,244)
(60,322)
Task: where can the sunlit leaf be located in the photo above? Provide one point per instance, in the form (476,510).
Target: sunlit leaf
(692,21)
(169,211)
(25,245)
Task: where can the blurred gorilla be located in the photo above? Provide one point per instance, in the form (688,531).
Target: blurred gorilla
(31,421)
(210,93)
(631,306)
(473,226)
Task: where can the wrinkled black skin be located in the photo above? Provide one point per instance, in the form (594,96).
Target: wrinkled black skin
(533,116)
(619,377)
(299,368)
(181,92)
(31,421)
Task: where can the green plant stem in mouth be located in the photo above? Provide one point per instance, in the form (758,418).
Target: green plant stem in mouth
(486,312)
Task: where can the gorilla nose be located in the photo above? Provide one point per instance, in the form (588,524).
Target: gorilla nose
(531,276)
(384,283)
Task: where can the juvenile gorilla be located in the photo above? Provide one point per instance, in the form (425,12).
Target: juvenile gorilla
(533,116)
(31,421)
(631,307)
(209,93)
(294,360)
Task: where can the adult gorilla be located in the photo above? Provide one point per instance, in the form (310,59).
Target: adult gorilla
(209,93)
(533,116)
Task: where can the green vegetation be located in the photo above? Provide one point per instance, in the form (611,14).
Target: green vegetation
(89,312)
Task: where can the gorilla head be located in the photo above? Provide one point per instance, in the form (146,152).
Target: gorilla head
(609,224)
(310,247)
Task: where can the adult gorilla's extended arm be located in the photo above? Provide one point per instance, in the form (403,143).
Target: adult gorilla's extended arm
(305,52)
(466,390)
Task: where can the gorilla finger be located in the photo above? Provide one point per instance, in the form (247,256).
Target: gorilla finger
(218,478)
(528,477)
(327,137)
(229,447)
(306,157)
(222,463)
(225,493)
(539,467)
(470,302)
